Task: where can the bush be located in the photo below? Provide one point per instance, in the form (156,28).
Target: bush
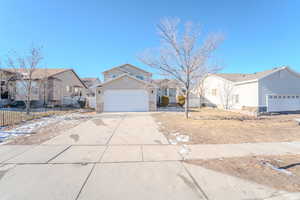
(181,100)
(164,101)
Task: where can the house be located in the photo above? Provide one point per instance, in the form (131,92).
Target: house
(50,86)
(6,86)
(126,88)
(275,90)
(168,87)
(91,83)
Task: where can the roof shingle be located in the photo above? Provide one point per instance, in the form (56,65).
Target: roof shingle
(246,77)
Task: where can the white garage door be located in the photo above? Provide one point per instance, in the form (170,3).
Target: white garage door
(277,103)
(126,100)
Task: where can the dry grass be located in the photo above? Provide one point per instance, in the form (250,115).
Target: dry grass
(214,126)
(9,118)
(48,132)
(250,168)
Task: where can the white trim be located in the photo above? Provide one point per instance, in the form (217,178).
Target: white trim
(123,75)
(125,65)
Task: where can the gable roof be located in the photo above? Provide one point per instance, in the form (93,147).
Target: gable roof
(127,75)
(120,66)
(41,73)
(166,82)
(91,82)
(90,79)
(249,77)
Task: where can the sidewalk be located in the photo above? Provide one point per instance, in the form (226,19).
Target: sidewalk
(138,153)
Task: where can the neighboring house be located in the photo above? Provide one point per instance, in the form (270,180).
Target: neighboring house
(126,88)
(168,87)
(6,87)
(91,83)
(273,90)
(51,86)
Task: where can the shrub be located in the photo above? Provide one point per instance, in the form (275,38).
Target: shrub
(164,101)
(181,100)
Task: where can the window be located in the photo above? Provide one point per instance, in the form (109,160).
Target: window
(35,88)
(236,98)
(214,92)
(113,76)
(172,92)
(68,88)
(270,97)
(165,92)
(140,77)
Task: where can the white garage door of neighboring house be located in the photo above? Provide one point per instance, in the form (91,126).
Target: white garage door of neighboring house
(126,100)
(277,103)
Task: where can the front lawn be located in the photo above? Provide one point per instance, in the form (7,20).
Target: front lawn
(214,126)
(279,172)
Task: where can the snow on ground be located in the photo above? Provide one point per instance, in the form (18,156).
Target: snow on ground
(30,127)
(179,138)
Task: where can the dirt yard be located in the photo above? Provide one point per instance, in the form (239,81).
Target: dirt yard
(254,169)
(214,126)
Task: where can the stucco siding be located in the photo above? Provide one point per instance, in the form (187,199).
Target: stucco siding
(248,95)
(214,90)
(223,93)
(282,82)
(68,78)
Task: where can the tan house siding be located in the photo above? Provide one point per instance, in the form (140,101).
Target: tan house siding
(115,72)
(68,79)
(125,83)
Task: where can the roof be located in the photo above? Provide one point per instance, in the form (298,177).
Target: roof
(120,66)
(123,75)
(40,73)
(90,79)
(249,77)
(166,82)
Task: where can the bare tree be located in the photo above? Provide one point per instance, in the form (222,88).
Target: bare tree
(44,82)
(24,68)
(182,55)
(199,90)
(226,94)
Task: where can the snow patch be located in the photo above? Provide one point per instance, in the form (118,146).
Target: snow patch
(184,150)
(183,138)
(265,163)
(30,127)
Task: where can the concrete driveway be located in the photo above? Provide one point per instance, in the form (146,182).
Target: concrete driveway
(116,156)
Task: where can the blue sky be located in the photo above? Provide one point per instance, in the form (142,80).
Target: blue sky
(93,35)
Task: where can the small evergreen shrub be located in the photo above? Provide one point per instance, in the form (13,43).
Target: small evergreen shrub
(181,100)
(164,101)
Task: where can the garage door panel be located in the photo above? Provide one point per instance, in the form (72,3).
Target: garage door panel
(126,100)
(278,103)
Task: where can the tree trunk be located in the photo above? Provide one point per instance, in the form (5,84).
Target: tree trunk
(187,104)
(200,101)
(27,106)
